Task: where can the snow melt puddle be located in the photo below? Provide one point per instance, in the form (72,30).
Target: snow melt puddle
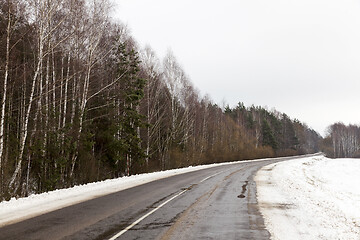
(311,198)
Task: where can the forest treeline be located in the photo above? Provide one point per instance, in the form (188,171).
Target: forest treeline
(81,102)
(342,141)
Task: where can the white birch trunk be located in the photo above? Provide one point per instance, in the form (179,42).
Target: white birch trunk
(73,105)
(24,129)
(65,97)
(24,132)
(53,90)
(82,112)
(61,93)
(3,101)
(47,82)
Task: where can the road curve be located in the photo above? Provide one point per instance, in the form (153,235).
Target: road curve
(213,203)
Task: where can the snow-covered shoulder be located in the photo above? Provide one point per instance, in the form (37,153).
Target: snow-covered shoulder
(311,198)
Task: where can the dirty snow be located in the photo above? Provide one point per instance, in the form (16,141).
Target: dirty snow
(311,198)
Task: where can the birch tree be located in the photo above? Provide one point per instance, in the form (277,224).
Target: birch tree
(95,27)
(41,15)
(10,23)
(154,107)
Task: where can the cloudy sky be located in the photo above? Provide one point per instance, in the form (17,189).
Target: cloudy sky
(301,57)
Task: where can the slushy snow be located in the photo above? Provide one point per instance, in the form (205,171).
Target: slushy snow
(311,198)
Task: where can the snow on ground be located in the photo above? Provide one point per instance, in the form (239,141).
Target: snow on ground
(34,205)
(311,198)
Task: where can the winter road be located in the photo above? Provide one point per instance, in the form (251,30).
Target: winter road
(214,203)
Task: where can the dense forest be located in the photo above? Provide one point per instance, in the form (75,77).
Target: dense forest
(81,102)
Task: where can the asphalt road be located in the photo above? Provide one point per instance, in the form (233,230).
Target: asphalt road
(214,203)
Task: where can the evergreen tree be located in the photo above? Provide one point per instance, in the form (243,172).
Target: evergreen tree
(290,140)
(268,138)
(130,120)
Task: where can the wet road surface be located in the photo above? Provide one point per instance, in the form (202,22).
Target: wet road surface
(214,203)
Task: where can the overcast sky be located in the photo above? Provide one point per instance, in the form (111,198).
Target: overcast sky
(301,57)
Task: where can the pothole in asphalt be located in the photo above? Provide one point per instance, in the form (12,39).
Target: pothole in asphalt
(242,195)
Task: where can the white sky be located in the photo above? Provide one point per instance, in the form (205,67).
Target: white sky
(301,57)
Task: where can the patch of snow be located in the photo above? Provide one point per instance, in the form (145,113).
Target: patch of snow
(311,198)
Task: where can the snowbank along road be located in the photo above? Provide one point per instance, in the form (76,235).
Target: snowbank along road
(311,198)
(213,203)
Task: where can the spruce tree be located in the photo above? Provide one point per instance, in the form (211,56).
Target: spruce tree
(130,120)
